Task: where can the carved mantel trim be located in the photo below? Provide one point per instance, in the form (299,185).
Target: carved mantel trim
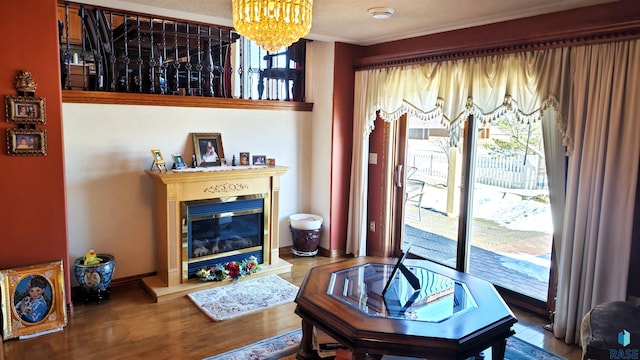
(226,187)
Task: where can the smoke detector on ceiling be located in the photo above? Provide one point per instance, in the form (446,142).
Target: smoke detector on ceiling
(381,12)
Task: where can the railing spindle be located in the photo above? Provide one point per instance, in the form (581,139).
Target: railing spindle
(187,66)
(112,56)
(210,65)
(176,63)
(83,53)
(240,70)
(152,60)
(67,51)
(125,59)
(163,61)
(222,66)
(139,61)
(199,64)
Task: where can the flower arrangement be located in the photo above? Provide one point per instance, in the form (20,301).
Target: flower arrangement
(231,269)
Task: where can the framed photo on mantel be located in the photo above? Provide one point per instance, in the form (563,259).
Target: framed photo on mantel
(207,148)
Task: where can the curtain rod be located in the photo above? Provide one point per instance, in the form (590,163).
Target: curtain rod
(439,55)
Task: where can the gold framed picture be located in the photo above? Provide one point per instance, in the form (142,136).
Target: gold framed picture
(25,109)
(33,299)
(158,160)
(208,149)
(27,142)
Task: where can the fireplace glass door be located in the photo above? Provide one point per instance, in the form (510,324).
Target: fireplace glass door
(221,230)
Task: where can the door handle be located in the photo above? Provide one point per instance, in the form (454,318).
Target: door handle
(398,175)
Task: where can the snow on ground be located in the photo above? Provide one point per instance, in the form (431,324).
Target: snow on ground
(491,203)
(512,211)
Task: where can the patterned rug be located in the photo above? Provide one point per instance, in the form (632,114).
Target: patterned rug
(286,345)
(244,297)
(273,348)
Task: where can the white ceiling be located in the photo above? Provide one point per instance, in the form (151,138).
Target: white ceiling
(349,21)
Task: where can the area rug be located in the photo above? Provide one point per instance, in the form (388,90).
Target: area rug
(285,345)
(244,297)
(272,348)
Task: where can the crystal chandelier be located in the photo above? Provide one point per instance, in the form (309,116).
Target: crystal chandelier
(272,24)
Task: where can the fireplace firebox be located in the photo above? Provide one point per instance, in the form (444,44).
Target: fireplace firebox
(223,229)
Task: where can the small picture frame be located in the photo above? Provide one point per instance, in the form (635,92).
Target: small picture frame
(25,109)
(178,161)
(158,160)
(259,160)
(271,162)
(244,158)
(24,142)
(33,299)
(207,148)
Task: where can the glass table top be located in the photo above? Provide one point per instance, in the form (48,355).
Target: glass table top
(437,299)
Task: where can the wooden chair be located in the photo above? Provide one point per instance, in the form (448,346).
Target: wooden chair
(296,53)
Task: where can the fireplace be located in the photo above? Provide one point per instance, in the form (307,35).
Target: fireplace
(220,230)
(235,199)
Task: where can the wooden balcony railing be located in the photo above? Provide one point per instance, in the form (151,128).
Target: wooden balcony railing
(107,50)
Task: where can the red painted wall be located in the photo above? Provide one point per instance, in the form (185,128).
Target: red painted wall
(342,142)
(32,188)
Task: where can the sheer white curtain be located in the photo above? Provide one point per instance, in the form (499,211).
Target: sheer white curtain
(552,138)
(363,118)
(596,87)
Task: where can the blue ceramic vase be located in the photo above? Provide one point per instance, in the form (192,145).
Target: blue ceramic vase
(95,280)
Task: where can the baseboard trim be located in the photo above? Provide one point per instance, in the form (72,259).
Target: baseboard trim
(131,279)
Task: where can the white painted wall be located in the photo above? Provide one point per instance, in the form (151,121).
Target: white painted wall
(320,66)
(107,148)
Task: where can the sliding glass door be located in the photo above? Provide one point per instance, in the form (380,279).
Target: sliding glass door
(431,193)
(482,206)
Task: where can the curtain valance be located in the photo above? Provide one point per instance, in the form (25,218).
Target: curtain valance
(522,85)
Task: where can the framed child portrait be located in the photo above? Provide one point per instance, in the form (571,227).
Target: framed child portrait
(207,148)
(25,109)
(27,142)
(33,299)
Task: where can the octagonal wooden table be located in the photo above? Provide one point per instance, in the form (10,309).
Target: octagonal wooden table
(452,316)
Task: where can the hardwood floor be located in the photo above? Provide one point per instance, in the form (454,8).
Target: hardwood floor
(130,325)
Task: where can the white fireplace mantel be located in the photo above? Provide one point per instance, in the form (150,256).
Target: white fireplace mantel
(173,188)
